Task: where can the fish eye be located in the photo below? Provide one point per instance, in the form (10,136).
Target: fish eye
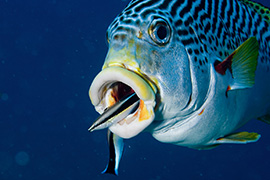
(160,31)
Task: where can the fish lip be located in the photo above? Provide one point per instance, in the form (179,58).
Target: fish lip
(101,95)
(114,74)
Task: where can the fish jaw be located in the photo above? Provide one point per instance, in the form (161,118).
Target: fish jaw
(112,83)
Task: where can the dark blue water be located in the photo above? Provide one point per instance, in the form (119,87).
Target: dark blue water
(50,51)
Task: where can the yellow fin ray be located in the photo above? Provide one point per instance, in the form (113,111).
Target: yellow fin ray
(244,64)
(240,138)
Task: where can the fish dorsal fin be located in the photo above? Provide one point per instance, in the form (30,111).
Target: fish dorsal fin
(242,64)
(260,9)
(240,138)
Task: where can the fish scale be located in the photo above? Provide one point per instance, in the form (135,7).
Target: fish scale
(225,23)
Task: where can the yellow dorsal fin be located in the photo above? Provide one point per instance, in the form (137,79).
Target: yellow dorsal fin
(262,10)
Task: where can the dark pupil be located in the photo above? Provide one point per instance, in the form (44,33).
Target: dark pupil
(162,32)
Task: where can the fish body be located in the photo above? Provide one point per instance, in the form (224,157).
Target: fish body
(199,67)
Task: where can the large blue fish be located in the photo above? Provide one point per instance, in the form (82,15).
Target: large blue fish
(190,72)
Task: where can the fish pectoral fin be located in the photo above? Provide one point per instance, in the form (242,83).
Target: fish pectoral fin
(240,138)
(116,146)
(242,64)
(265,118)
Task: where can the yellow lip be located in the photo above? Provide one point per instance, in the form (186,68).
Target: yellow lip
(118,74)
(101,97)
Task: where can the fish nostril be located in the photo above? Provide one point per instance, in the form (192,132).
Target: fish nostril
(119,37)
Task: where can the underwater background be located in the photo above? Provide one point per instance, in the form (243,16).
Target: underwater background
(50,51)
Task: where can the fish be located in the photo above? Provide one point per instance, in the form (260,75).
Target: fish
(116,112)
(116,146)
(200,70)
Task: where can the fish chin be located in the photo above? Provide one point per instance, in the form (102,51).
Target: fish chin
(132,125)
(114,83)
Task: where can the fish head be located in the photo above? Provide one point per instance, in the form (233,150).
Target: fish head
(146,56)
(121,75)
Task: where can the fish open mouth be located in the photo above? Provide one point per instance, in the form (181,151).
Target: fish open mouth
(125,101)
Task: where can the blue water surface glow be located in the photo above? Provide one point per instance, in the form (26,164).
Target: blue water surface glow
(50,51)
